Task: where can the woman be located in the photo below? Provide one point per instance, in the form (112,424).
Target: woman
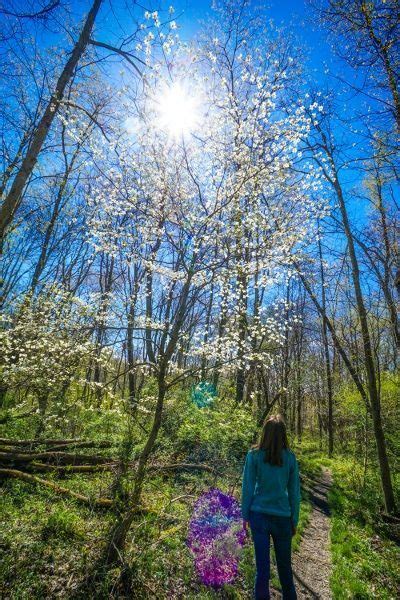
(271,503)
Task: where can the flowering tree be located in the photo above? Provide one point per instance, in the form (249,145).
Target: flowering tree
(209,208)
(46,345)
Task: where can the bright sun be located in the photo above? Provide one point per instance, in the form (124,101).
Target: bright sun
(178,111)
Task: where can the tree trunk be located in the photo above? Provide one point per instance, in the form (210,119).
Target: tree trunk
(133,402)
(221,330)
(383,53)
(386,266)
(118,534)
(242,310)
(106,286)
(41,263)
(372,385)
(329,387)
(13,198)
(299,424)
(117,538)
(42,402)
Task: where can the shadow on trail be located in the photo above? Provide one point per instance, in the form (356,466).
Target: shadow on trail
(305,586)
(319,497)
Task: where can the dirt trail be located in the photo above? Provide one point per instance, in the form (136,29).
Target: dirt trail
(312,561)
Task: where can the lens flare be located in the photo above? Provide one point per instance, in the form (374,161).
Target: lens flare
(178,110)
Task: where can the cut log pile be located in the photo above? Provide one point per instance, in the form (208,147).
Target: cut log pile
(22,459)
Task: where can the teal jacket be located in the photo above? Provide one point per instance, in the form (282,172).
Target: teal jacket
(271,489)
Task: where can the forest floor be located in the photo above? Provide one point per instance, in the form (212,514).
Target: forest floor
(312,563)
(49,542)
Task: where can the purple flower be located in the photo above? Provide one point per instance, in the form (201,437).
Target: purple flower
(216,536)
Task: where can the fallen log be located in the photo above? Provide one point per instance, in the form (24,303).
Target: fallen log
(33,462)
(57,442)
(16,474)
(65,469)
(83,444)
(37,442)
(58,457)
(7,448)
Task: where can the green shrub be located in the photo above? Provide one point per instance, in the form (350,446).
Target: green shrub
(63,524)
(364,562)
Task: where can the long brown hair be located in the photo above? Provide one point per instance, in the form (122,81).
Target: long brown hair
(273,439)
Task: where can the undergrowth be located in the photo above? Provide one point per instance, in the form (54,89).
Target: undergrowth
(50,543)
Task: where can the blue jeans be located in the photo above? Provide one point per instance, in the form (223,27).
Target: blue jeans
(280,528)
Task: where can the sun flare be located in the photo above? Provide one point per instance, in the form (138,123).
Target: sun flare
(178,111)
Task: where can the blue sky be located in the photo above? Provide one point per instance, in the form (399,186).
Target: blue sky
(297,15)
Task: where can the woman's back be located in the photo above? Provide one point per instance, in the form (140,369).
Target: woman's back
(271,489)
(271,503)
